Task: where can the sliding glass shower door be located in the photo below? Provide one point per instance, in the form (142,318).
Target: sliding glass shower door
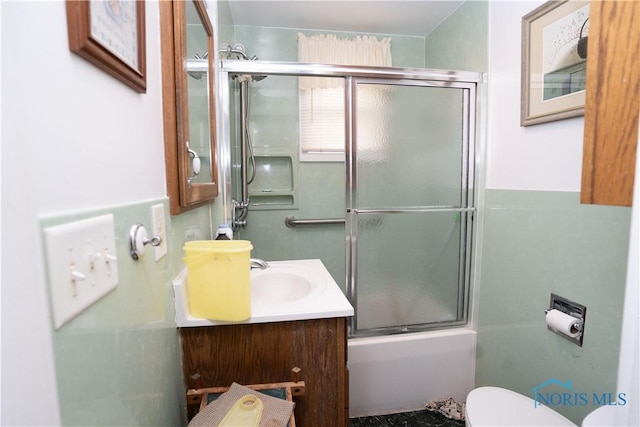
(409,157)
(409,203)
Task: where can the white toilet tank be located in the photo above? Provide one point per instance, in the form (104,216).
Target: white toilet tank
(495,406)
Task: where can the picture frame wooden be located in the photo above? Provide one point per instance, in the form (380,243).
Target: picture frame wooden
(553,72)
(110,35)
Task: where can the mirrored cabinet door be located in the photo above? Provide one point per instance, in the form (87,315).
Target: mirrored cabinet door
(189,104)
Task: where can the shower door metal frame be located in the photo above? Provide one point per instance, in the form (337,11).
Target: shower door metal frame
(466,208)
(353,75)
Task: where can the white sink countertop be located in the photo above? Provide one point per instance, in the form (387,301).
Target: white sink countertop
(324,300)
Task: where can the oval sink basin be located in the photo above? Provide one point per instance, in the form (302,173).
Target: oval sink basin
(286,291)
(282,285)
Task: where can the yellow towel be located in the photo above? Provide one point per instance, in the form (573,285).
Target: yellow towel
(276,412)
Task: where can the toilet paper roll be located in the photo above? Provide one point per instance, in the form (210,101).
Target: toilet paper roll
(563,323)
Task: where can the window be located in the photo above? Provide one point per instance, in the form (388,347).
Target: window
(322,98)
(322,124)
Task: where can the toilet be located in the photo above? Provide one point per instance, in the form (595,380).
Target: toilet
(495,406)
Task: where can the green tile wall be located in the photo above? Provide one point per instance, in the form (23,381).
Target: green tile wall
(460,42)
(225,24)
(536,243)
(118,362)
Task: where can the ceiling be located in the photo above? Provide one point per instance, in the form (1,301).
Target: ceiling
(412,18)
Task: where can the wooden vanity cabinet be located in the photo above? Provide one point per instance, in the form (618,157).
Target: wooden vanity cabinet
(265,353)
(612,103)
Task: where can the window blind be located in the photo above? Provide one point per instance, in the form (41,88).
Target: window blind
(322,98)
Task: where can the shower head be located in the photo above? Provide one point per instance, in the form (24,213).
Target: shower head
(196,74)
(199,67)
(240,78)
(236,50)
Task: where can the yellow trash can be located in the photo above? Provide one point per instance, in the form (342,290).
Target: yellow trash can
(219,282)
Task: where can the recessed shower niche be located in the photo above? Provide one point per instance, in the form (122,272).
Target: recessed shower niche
(274,184)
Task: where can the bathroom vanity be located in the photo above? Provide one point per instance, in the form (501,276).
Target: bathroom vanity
(266,353)
(289,327)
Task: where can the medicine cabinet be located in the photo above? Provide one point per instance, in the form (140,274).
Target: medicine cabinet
(188,104)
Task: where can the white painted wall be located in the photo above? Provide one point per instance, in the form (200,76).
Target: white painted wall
(541,157)
(72,122)
(629,367)
(73,138)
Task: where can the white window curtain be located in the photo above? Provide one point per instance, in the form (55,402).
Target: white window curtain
(322,98)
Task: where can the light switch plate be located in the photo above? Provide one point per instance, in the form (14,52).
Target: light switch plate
(82,265)
(159,229)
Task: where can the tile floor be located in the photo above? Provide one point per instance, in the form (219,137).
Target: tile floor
(407,419)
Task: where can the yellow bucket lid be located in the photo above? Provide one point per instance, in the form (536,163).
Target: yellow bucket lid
(219,246)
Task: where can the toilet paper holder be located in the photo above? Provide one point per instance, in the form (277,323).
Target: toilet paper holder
(571,308)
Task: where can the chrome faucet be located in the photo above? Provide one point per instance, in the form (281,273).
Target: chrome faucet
(258,263)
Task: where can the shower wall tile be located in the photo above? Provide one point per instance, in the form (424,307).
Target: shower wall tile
(118,362)
(268,44)
(537,243)
(225,32)
(407,51)
(225,23)
(460,42)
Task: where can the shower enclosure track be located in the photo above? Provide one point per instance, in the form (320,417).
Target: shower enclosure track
(277,68)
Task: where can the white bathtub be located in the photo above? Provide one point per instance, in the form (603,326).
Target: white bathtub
(397,373)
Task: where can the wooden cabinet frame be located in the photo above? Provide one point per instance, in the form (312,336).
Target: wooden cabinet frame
(183,194)
(612,103)
(265,353)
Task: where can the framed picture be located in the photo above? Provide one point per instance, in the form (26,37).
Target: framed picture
(111,35)
(554,64)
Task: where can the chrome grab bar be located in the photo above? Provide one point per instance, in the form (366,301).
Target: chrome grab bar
(292,221)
